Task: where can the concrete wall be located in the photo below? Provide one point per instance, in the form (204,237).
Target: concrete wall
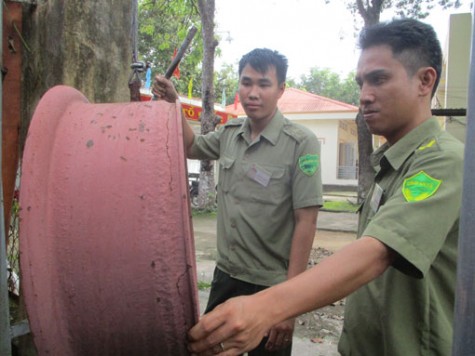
(457,62)
(327,133)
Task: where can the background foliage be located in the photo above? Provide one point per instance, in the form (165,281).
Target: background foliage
(163,25)
(327,83)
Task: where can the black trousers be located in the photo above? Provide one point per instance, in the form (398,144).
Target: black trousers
(225,287)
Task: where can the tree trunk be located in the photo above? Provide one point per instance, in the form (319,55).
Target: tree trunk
(370,16)
(85,45)
(11,82)
(365,148)
(206,190)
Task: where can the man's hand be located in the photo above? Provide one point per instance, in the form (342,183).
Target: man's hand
(164,89)
(280,335)
(232,328)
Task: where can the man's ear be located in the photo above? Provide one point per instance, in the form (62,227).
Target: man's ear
(281,89)
(427,77)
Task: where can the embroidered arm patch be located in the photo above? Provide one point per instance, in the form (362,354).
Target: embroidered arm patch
(420,186)
(309,164)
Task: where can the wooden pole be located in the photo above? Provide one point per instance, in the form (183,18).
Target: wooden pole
(5,340)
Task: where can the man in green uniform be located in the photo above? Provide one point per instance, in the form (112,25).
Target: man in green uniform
(269,190)
(400,273)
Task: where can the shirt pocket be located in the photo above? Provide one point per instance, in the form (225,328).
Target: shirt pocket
(267,184)
(226,173)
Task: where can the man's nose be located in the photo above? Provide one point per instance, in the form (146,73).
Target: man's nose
(254,92)
(366,95)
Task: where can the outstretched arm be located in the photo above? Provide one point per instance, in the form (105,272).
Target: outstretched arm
(240,323)
(164,89)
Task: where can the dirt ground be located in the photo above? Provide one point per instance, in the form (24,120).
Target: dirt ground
(322,326)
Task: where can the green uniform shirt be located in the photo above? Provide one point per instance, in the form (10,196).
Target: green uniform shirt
(260,185)
(414,208)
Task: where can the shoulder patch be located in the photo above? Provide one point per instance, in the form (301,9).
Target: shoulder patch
(309,164)
(420,187)
(238,121)
(427,145)
(297,132)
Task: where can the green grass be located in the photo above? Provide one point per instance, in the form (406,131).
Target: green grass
(340,206)
(204,213)
(203,285)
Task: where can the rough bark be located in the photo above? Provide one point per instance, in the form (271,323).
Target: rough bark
(365,148)
(83,44)
(11,81)
(207,192)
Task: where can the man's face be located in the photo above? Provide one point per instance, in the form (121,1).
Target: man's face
(389,97)
(259,93)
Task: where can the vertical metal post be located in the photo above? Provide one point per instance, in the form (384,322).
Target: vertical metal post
(464,324)
(5,338)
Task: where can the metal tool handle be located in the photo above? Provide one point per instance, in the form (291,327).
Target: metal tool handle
(180,53)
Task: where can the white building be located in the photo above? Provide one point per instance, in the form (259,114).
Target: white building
(452,92)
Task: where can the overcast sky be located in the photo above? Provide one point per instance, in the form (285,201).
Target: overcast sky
(308,32)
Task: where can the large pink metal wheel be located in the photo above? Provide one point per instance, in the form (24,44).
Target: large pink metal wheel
(107,253)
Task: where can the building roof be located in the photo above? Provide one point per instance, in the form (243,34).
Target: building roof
(298,101)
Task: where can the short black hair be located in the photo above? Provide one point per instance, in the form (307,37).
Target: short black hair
(413,42)
(262,58)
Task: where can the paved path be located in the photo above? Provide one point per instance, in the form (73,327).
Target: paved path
(346,222)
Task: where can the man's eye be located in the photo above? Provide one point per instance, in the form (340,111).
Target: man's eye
(378,80)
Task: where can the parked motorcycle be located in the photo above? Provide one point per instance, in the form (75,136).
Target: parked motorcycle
(193,180)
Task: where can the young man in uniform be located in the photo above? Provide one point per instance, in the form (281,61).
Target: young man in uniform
(400,273)
(269,190)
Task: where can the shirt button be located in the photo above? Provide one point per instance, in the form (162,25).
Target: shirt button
(233,225)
